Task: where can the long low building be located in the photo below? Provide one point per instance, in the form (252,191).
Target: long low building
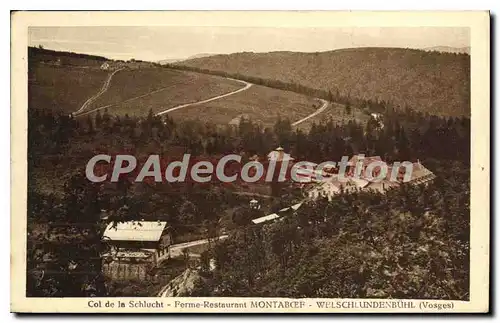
(274,216)
(266,218)
(329,187)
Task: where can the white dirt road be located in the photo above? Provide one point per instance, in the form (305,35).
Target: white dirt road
(176,249)
(81,112)
(246,87)
(315,113)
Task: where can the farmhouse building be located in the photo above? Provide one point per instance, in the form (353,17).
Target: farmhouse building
(326,189)
(381,186)
(329,187)
(135,248)
(363,161)
(332,186)
(105,66)
(283,162)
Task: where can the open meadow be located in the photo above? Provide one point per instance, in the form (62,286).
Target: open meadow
(135,92)
(62,88)
(260,104)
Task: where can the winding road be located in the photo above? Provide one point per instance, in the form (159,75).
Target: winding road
(176,249)
(315,113)
(81,112)
(246,87)
(104,88)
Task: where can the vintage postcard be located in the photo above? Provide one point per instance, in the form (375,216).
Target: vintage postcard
(250,162)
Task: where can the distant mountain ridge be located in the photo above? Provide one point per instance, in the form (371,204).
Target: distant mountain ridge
(201,55)
(176,60)
(170,60)
(429,81)
(449,49)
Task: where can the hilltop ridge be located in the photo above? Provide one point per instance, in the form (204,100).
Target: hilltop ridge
(428,81)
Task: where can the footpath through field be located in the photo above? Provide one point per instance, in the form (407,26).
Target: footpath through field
(104,88)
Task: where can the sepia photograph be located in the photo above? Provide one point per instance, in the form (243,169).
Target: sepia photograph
(224,166)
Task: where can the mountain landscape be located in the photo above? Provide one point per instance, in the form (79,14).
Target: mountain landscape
(428,81)
(176,60)
(409,240)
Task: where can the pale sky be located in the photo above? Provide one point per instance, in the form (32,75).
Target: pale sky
(157,43)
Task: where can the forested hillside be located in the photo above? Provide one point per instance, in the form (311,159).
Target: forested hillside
(412,235)
(433,82)
(412,242)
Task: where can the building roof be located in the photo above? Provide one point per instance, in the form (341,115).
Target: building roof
(366,160)
(348,181)
(382,185)
(269,217)
(273,216)
(326,188)
(358,182)
(293,207)
(129,254)
(420,174)
(332,185)
(135,231)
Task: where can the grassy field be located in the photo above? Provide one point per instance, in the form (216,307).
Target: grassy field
(130,91)
(62,88)
(438,83)
(259,103)
(136,91)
